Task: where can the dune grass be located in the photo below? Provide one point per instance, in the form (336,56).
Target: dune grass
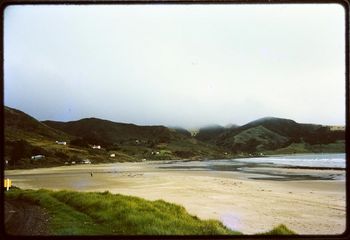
(103,213)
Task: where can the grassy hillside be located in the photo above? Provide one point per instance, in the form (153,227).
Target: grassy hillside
(210,133)
(139,142)
(120,142)
(269,134)
(255,139)
(26,137)
(336,147)
(19,125)
(92,213)
(104,132)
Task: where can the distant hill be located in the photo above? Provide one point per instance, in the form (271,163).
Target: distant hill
(98,131)
(272,133)
(19,125)
(210,133)
(25,136)
(181,130)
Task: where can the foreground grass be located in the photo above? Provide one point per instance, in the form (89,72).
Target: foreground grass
(93,213)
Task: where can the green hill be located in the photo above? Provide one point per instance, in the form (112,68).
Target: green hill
(210,133)
(104,132)
(255,139)
(25,136)
(270,133)
(19,125)
(141,142)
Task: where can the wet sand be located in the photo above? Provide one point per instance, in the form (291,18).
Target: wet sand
(240,202)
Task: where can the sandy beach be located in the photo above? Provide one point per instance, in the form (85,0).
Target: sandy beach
(241,203)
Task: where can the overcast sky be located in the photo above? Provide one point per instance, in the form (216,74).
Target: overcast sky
(176,65)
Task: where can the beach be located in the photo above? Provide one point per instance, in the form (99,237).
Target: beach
(233,197)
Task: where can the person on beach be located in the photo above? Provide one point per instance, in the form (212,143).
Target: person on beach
(91,174)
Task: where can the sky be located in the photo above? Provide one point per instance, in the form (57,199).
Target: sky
(176,65)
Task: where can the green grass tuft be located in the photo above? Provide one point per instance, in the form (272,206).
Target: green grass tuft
(280,230)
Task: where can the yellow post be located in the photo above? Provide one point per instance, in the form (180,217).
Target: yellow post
(7,184)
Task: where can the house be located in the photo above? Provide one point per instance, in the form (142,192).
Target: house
(37,157)
(336,128)
(86,161)
(61,143)
(96,146)
(112,155)
(73,162)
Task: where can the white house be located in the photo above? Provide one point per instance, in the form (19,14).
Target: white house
(61,143)
(86,161)
(112,155)
(37,157)
(96,146)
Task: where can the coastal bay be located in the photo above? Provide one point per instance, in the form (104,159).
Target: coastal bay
(243,201)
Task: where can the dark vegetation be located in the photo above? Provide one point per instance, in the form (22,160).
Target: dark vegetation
(93,213)
(26,137)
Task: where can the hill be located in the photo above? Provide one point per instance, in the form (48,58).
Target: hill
(275,133)
(97,140)
(104,132)
(26,137)
(209,133)
(19,125)
(141,142)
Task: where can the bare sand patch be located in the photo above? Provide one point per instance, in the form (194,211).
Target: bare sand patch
(250,206)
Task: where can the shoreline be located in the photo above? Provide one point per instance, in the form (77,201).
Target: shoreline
(197,160)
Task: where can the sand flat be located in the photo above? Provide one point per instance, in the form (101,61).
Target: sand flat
(247,205)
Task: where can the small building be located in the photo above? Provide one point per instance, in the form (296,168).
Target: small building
(73,162)
(37,157)
(96,146)
(157,153)
(86,161)
(112,155)
(61,143)
(143,159)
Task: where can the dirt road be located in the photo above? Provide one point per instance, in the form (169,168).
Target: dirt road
(23,218)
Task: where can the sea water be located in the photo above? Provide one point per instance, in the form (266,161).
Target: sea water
(326,160)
